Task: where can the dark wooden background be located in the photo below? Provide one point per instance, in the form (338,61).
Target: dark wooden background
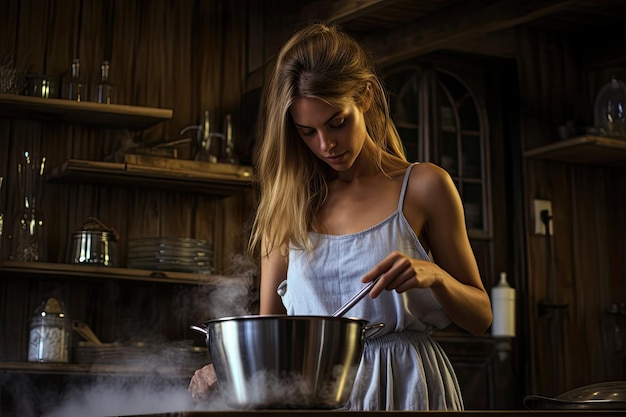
(191,55)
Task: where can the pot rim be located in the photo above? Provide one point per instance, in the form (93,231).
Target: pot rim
(94,233)
(263,317)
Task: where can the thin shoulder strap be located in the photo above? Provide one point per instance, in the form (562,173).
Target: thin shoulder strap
(407,174)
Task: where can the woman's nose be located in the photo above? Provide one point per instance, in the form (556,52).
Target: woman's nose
(326,142)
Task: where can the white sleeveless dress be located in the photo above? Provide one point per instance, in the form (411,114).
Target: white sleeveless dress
(402,367)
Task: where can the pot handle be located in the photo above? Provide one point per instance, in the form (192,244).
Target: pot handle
(376,327)
(204,330)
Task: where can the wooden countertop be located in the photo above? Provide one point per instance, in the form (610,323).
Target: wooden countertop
(324,413)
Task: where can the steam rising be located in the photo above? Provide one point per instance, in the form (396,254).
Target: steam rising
(156,381)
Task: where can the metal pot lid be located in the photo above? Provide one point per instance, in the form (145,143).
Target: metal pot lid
(600,396)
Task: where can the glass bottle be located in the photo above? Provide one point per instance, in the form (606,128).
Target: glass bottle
(105,92)
(609,109)
(228,152)
(75,88)
(50,332)
(30,230)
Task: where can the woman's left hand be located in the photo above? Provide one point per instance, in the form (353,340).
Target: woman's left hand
(203,383)
(401,273)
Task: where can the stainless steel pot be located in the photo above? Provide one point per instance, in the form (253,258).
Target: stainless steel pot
(94,247)
(285,362)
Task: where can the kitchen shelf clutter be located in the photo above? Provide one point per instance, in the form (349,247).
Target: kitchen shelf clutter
(115,300)
(592,150)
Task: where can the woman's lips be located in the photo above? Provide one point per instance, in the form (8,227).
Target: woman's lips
(335,158)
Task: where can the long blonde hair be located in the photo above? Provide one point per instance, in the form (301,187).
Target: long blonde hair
(324,62)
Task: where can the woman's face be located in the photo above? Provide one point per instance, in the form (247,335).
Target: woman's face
(335,135)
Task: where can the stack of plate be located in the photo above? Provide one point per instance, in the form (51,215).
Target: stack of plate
(171,254)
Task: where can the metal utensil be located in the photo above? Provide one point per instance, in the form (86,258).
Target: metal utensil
(355,298)
(282,290)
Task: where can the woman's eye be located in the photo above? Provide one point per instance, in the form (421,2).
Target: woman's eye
(307,132)
(337,123)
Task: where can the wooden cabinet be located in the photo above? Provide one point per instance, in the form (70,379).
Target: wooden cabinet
(439,120)
(125,307)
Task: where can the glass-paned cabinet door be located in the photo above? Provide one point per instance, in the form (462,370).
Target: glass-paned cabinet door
(440,120)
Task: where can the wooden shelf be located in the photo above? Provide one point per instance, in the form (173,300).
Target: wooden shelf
(202,180)
(71,271)
(595,150)
(94,369)
(103,115)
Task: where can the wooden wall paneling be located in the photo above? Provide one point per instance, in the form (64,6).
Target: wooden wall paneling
(236,232)
(616,201)
(592,270)
(56,142)
(255,45)
(143,213)
(5,129)
(536,288)
(59,25)
(9,19)
(53,147)
(103,313)
(151,51)
(582,273)
(30,40)
(122,29)
(91,48)
(13,321)
(563,283)
(178,217)
(206,225)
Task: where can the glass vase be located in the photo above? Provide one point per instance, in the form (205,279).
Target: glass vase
(29,237)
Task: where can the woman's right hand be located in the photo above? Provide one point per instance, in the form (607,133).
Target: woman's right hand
(203,382)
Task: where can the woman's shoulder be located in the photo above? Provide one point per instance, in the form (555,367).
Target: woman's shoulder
(427,172)
(428,181)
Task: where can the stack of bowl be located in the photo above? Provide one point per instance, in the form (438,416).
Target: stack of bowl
(171,254)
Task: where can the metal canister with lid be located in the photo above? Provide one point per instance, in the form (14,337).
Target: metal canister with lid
(50,332)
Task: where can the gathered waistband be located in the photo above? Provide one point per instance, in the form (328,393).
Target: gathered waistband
(394,338)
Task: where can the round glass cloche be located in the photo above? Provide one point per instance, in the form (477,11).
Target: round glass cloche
(609,116)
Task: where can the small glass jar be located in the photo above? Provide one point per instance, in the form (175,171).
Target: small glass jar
(50,332)
(610,109)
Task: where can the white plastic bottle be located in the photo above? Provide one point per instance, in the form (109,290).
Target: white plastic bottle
(503,307)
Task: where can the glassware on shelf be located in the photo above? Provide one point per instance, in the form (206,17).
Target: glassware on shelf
(30,229)
(75,88)
(228,144)
(50,333)
(609,116)
(10,80)
(105,91)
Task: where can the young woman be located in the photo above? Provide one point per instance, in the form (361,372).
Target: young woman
(340,206)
